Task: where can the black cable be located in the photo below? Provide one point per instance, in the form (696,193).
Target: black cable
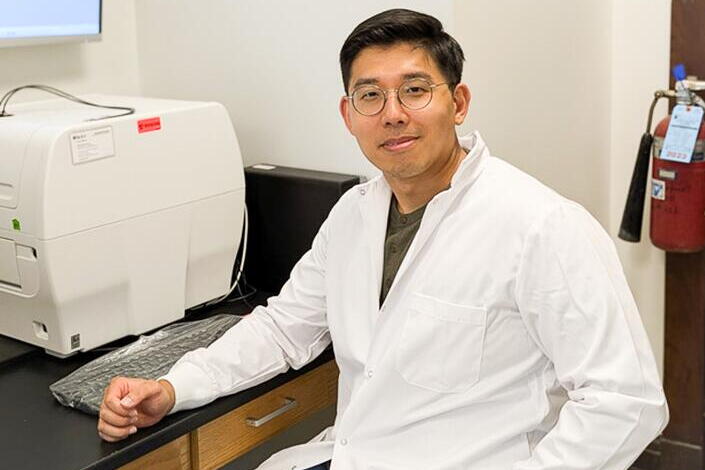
(55,91)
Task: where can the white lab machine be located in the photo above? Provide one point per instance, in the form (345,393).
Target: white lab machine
(114,227)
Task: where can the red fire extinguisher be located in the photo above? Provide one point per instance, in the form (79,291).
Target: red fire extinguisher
(677,187)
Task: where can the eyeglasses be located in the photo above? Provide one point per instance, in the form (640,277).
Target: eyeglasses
(416,93)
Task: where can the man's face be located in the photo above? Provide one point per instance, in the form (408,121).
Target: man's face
(405,144)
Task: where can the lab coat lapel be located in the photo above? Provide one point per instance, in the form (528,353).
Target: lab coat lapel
(466,174)
(374,210)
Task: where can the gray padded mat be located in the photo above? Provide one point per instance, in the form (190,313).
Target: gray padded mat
(149,357)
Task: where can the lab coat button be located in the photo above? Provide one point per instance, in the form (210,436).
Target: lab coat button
(363,191)
(369,374)
(343,442)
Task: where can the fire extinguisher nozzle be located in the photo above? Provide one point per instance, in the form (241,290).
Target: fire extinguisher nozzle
(629,237)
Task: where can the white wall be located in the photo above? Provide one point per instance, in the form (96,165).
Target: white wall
(540,76)
(273,63)
(105,66)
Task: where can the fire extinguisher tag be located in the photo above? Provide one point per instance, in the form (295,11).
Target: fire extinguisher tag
(658,189)
(682,133)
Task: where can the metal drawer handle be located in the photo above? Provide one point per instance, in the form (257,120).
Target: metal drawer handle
(289,403)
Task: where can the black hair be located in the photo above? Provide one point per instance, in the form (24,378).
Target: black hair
(401,25)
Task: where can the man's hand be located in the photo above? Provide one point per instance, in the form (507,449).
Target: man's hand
(129,404)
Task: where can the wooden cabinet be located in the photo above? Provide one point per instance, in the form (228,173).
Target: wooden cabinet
(175,455)
(235,433)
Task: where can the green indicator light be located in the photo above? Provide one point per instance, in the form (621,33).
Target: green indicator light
(15,224)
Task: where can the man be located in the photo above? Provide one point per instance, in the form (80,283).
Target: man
(479,320)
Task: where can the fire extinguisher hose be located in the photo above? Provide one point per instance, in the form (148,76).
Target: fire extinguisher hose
(630,228)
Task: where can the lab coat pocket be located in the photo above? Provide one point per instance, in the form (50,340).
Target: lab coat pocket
(440,346)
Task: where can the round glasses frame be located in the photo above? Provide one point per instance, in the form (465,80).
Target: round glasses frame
(386,92)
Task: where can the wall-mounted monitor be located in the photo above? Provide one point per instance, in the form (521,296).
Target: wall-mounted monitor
(28,22)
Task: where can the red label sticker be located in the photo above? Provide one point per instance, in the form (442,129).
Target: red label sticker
(149,125)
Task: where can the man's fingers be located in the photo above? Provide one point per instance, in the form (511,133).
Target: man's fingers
(110,417)
(118,417)
(114,433)
(138,394)
(117,388)
(112,402)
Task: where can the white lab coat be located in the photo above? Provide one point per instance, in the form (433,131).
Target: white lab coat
(509,339)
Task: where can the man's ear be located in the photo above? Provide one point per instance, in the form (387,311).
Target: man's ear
(461,100)
(345,112)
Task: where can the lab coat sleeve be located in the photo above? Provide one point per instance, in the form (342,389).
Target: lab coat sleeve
(289,332)
(574,299)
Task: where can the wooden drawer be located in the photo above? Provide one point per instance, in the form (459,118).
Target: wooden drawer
(224,439)
(172,456)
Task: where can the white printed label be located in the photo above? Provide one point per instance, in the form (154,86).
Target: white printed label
(667,174)
(92,144)
(658,189)
(682,133)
